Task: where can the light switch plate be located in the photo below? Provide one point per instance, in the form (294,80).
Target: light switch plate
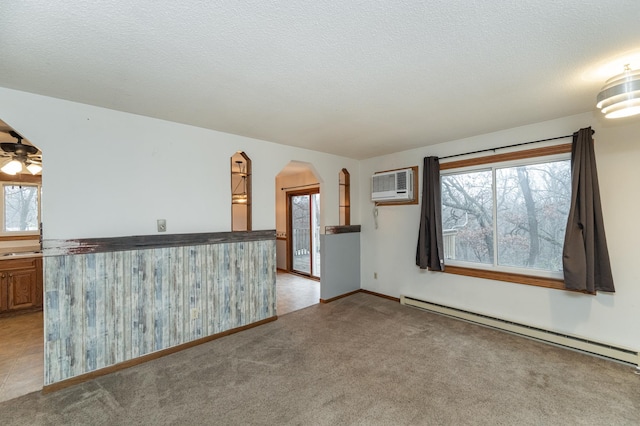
(162,225)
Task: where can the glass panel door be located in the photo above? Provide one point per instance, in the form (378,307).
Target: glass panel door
(304,216)
(300,226)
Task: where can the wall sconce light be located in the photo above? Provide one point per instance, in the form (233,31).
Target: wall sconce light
(620,96)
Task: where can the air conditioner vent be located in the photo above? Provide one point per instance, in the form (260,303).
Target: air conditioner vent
(402,181)
(384,183)
(396,185)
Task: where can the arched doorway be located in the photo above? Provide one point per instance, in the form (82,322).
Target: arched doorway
(21,283)
(298,212)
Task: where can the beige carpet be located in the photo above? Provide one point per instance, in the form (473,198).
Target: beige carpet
(360,360)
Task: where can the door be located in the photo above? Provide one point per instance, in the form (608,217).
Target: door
(22,288)
(304,228)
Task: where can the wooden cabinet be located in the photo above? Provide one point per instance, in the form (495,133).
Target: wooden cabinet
(20,284)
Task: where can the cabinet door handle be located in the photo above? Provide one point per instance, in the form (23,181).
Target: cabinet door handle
(10,275)
(2,276)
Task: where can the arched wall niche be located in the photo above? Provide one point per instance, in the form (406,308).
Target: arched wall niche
(240,192)
(344,183)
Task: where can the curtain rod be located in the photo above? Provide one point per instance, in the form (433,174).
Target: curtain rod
(507,146)
(299,186)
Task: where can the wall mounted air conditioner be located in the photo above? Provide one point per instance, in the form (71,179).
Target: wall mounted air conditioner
(396,185)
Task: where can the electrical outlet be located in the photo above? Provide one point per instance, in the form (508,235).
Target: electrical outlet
(194,313)
(162,225)
(375,275)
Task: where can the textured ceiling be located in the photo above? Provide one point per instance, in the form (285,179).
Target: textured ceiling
(357,79)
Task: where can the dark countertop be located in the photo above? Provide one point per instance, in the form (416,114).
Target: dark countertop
(139,242)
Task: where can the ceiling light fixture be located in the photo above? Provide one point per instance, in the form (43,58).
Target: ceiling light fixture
(20,155)
(12,167)
(34,168)
(620,96)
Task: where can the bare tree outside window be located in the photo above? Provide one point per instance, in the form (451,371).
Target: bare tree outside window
(300,212)
(467,215)
(532,214)
(519,222)
(20,208)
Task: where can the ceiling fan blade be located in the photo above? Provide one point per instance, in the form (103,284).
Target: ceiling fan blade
(18,147)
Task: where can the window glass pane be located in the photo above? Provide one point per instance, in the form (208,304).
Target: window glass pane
(467,216)
(315,230)
(532,208)
(300,227)
(20,208)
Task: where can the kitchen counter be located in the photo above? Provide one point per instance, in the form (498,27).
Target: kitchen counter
(20,255)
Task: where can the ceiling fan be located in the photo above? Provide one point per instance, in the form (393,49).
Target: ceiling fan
(20,155)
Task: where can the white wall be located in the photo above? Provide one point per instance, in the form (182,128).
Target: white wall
(109,173)
(390,249)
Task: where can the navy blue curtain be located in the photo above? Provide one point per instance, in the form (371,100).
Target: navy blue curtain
(430,251)
(585,256)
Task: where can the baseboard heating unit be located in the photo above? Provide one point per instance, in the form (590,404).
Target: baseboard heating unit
(628,356)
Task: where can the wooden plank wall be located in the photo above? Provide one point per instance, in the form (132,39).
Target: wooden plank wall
(105,308)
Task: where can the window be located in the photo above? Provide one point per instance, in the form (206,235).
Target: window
(507,216)
(21,208)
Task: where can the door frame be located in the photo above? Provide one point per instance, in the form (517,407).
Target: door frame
(289,194)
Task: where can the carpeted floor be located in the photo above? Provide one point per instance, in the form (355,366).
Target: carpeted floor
(361,360)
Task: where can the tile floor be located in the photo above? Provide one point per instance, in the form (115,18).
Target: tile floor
(295,292)
(22,347)
(21,355)
(302,263)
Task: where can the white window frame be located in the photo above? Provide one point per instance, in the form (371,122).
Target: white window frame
(3,231)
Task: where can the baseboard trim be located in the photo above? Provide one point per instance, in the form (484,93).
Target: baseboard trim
(384,296)
(373,293)
(340,297)
(149,357)
(10,314)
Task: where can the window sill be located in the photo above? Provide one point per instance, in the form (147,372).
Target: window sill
(555,283)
